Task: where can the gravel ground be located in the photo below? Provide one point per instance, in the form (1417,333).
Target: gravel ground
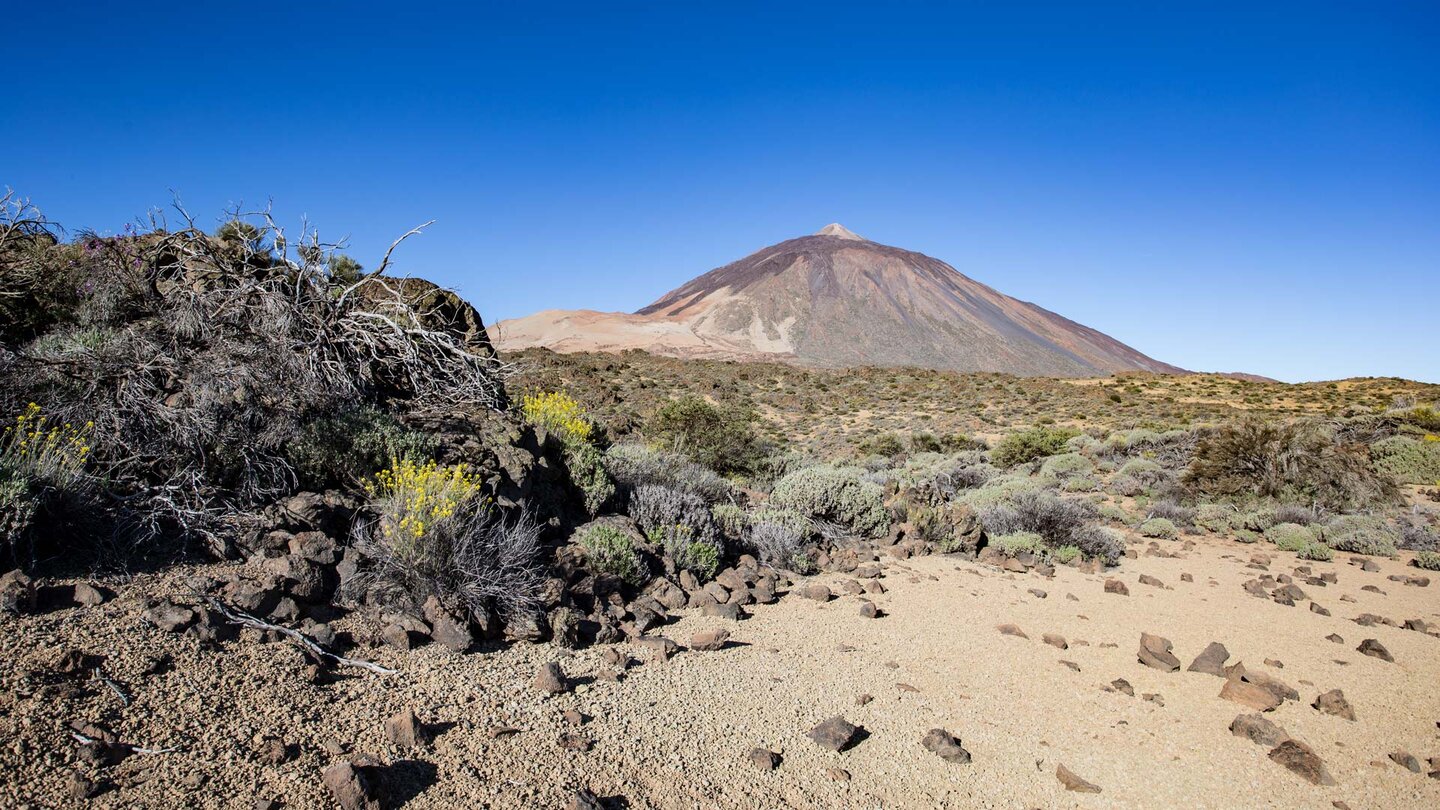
(677,733)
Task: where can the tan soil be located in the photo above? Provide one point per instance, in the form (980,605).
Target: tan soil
(677,734)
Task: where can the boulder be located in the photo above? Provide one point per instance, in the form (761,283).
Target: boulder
(17,592)
(1374,649)
(1250,695)
(1155,653)
(1211,660)
(550,678)
(1301,760)
(1334,702)
(945,745)
(1259,730)
(834,734)
(709,640)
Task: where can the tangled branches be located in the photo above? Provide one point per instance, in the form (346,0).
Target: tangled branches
(199,357)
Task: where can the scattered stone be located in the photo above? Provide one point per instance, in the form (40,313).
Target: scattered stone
(1038,594)
(1153,698)
(574,717)
(709,640)
(170,617)
(404,729)
(1155,653)
(354,786)
(1318,610)
(571,741)
(1259,730)
(1146,579)
(945,745)
(1302,761)
(834,734)
(1116,586)
(861,700)
(817,592)
(869,610)
(585,800)
(1211,660)
(87,595)
(1073,782)
(1249,694)
(550,678)
(17,592)
(1071,664)
(79,787)
(1335,638)
(729,610)
(1186,578)
(1122,685)
(1056,640)
(1374,649)
(764,760)
(1334,702)
(660,647)
(838,774)
(1010,630)
(499,732)
(1405,760)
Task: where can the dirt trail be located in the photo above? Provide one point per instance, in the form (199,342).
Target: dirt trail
(676,734)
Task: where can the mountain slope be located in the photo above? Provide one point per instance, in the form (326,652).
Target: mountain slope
(836,299)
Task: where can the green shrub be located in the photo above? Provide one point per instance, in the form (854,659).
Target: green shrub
(1409,460)
(1159,527)
(722,439)
(1361,534)
(1429,560)
(1247,536)
(732,520)
(1143,470)
(661,510)
(1028,445)
(1290,536)
(881,444)
(836,495)
(1215,517)
(1002,488)
(1079,483)
(1315,551)
(342,450)
(586,466)
(1067,464)
(1115,514)
(1019,542)
(702,560)
(1065,555)
(1299,462)
(612,552)
(634,465)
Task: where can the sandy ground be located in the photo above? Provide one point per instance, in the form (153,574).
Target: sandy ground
(676,734)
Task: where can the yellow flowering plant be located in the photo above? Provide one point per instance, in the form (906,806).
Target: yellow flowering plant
(35,447)
(558,413)
(416,500)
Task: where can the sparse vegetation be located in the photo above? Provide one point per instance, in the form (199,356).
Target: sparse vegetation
(611,552)
(836,495)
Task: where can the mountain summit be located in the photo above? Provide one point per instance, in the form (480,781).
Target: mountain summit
(837,299)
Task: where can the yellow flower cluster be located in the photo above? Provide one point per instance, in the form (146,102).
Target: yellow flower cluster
(41,448)
(558,413)
(414,497)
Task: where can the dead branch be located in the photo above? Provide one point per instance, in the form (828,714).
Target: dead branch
(240,617)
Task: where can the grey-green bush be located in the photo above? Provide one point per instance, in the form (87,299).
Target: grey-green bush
(1361,534)
(836,495)
(1161,528)
(610,551)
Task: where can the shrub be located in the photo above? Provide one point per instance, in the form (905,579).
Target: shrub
(881,444)
(1002,488)
(1297,461)
(1425,417)
(342,450)
(1147,472)
(1065,554)
(1114,514)
(42,478)
(414,501)
(586,466)
(659,510)
(1173,512)
(721,439)
(732,521)
(1067,464)
(1054,518)
(1215,517)
(1247,536)
(1257,520)
(1410,461)
(1416,537)
(635,465)
(1290,536)
(778,540)
(1099,542)
(837,495)
(1126,486)
(1429,560)
(612,552)
(1315,551)
(559,414)
(1028,445)
(1080,483)
(1361,534)
(1019,542)
(1160,528)
(1291,513)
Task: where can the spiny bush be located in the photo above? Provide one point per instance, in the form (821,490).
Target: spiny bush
(1028,445)
(1160,528)
(1292,513)
(341,450)
(1290,536)
(611,552)
(1147,472)
(837,495)
(659,510)
(1315,551)
(1428,560)
(1098,542)
(1181,516)
(1080,483)
(780,540)
(1361,534)
(1054,518)
(635,465)
(1126,486)
(732,521)
(1410,461)
(1417,537)
(1003,488)
(1295,461)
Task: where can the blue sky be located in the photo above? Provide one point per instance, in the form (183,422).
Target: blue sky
(1223,186)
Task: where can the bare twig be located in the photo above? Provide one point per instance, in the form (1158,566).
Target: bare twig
(134,749)
(240,617)
(114,687)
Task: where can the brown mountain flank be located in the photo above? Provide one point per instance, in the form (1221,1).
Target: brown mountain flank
(836,299)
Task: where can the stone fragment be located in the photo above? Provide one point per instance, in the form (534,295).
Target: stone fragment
(1011,630)
(1117,587)
(404,729)
(834,734)
(1155,653)
(1258,729)
(354,787)
(1056,640)
(1374,649)
(945,745)
(1211,660)
(709,640)
(763,759)
(1334,702)
(1249,694)
(1301,760)
(550,678)
(1073,782)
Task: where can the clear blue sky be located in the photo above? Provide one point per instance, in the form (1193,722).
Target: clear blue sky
(1247,186)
